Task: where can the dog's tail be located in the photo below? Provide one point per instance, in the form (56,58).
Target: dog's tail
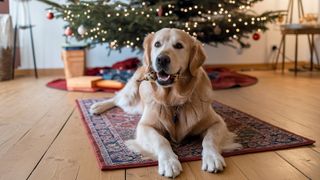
(135,147)
(229,144)
(129,98)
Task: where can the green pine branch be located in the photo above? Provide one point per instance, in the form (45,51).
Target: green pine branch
(53,4)
(121,25)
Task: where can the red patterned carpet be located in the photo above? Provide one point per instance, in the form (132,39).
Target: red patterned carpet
(109,131)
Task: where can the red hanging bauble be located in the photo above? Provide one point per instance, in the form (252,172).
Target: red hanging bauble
(50,15)
(68,31)
(160,11)
(256,36)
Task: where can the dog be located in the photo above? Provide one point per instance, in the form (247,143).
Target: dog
(173,94)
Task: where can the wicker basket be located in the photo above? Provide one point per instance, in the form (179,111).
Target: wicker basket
(6,64)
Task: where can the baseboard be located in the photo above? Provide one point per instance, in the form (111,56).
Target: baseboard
(41,72)
(257,66)
(238,67)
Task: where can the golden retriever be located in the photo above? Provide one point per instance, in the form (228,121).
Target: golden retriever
(174,95)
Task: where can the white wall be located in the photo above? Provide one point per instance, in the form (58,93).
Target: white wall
(48,40)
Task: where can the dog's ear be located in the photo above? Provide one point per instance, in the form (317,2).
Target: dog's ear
(147,49)
(197,57)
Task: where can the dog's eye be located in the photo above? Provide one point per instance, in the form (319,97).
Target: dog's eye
(178,46)
(157,44)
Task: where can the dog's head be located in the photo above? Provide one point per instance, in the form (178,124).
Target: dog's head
(172,52)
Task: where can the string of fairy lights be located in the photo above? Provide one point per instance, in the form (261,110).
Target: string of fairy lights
(97,33)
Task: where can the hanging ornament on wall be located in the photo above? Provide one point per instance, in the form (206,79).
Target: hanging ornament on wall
(82,30)
(217,30)
(256,36)
(160,11)
(68,31)
(50,15)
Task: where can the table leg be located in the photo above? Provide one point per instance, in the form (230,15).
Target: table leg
(296,57)
(14,50)
(316,54)
(32,43)
(283,51)
(277,57)
(312,49)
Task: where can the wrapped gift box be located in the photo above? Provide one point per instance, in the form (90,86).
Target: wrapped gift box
(87,83)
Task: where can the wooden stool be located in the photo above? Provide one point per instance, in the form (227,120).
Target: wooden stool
(298,29)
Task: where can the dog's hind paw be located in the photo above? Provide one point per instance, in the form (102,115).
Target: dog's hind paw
(213,162)
(169,166)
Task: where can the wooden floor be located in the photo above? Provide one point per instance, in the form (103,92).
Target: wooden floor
(41,135)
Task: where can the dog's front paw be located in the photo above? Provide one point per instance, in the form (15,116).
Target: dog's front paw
(169,166)
(98,108)
(213,162)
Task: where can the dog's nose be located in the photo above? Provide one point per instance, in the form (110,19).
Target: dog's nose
(163,61)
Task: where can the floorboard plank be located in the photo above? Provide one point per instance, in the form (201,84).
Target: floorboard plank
(49,145)
(30,148)
(267,165)
(71,155)
(21,112)
(152,173)
(230,172)
(305,159)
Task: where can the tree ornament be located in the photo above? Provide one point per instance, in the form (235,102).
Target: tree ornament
(217,30)
(50,15)
(82,30)
(200,34)
(68,31)
(160,11)
(105,2)
(280,19)
(256,36)
(224,21)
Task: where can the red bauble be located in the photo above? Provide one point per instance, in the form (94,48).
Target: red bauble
(256,36)
(50,15)
(160,11)
(68,31)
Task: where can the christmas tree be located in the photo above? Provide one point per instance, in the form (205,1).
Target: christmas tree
(120,24)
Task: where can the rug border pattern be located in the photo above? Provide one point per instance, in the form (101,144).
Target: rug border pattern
(97,145)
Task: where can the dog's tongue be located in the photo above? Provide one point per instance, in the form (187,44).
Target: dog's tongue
(163,76)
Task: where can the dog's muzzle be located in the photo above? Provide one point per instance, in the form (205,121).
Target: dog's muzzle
(161,77)
(165,79)
(163,62)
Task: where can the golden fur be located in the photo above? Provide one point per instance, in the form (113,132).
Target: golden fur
(189,98)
